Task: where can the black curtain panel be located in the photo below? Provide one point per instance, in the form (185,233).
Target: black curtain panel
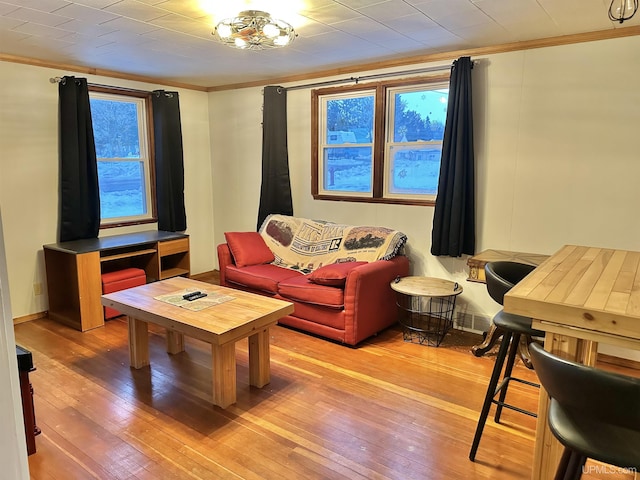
(454,216)
(275,191)
(167,131)
(79,194)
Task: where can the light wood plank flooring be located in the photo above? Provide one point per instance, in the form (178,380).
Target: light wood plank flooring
(386,410)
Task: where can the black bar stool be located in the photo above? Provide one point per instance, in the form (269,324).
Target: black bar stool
(500,278)
(593,413)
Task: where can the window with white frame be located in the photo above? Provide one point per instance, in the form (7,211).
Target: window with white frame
(122,135)
(380,142)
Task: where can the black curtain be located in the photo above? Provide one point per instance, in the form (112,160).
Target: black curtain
(79,194)
(169,163)
(454,216)
(275,191)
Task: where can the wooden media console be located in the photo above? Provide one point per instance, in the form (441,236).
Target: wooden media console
(74,270)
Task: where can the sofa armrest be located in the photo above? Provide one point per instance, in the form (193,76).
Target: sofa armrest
(224,258)
(369,300)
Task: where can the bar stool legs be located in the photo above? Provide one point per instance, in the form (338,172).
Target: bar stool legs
(501,277)
(570,466)
(488,399)
(510,341)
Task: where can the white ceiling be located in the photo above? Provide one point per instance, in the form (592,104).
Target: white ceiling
(171,39)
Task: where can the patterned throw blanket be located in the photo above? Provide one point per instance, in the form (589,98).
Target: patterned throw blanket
(305,245)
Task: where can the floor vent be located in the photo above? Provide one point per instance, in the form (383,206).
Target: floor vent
(472,322)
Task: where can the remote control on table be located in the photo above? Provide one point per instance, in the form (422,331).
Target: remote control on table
(195,297)
(189,295)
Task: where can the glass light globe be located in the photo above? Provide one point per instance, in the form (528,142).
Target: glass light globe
(224,30)
(621,10)
(240,43)
(270,30)
(282,40)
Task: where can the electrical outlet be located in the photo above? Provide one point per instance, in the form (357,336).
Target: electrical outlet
(37,288)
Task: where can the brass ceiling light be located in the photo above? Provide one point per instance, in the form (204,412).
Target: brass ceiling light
(254,30)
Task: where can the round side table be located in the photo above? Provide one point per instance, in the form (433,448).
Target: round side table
(425,308)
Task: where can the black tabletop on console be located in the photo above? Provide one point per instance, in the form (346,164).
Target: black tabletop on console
(115,241)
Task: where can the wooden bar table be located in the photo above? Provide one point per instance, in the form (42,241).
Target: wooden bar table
(580,296)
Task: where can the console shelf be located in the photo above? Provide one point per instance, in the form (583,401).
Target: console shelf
(74,270)
(174,272)
(137,253)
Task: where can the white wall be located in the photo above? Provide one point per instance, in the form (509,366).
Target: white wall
(556,158)
(29,175)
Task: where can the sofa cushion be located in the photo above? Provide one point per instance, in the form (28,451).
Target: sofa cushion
(301,289)
(317,319)
(334,275)
(260,277)
(248,248)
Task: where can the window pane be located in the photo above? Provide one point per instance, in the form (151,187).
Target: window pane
(349,120)
(124,168)
(115,128)
(387,151)
(414,169)
(348,169)
(122,192)
(420,116)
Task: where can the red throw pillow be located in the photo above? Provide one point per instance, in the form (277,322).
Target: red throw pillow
(248,248)
(334,275)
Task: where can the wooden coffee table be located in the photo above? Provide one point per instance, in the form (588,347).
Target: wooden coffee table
(246,315)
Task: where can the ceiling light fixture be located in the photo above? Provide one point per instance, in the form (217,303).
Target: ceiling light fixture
(621,10)
(254,30)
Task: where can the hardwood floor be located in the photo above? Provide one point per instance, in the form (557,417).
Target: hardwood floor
(386,410)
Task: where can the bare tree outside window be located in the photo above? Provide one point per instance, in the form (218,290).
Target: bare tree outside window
(121,135)
(380,142)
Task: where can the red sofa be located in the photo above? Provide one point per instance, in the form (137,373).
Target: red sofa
(347,301)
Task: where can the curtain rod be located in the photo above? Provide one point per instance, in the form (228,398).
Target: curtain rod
(370,77)
(111,87)
(60,79)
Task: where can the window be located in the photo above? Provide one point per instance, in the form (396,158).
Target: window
(122,134)
(380,142)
